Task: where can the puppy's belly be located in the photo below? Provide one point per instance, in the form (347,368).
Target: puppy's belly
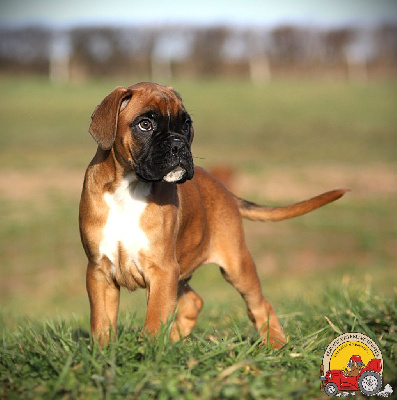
(123,239)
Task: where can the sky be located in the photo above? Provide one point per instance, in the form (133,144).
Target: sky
(70,13)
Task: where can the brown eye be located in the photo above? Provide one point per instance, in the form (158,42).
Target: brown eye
(145,125)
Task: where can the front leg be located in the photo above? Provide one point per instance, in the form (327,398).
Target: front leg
(104,296)
(161,296)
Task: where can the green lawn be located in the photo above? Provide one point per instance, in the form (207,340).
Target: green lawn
(222,359)
(286,141)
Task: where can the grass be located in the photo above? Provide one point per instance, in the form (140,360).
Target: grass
(55,359)
(286,141)
(320,122)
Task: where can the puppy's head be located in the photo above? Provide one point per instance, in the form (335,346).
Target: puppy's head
(149,131)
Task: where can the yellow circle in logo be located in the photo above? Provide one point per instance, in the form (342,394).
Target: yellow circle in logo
(342,354)
(339,352)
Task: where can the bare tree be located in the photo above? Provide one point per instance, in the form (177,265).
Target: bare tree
(25,50)
(207,50)
(288,45)
(335,43)
(386,43)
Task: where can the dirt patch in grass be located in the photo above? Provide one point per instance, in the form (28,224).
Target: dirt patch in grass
(16,185)
(287,183)
(295,184)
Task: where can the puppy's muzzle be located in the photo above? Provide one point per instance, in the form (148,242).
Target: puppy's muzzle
(169,160)
(179,161)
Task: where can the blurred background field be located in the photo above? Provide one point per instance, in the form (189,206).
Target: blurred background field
(280,142)
(288,100)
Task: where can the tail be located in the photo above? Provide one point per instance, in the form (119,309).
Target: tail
(255,212)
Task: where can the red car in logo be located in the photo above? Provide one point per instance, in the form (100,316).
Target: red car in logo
(367,380)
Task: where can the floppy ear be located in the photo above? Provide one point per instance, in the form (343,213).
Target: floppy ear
(104,118)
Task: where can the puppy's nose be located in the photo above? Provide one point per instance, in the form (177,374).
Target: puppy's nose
(176,146)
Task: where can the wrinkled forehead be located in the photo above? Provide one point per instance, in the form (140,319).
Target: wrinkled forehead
(162,98)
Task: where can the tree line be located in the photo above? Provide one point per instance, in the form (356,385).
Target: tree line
(186,52)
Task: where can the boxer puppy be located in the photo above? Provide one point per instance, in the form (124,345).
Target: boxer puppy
(149,218)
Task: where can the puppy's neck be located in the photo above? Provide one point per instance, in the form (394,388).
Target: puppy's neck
(113,175)
(132,186)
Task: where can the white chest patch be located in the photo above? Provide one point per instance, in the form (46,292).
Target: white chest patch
(122,228)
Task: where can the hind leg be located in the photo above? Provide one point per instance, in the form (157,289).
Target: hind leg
(239,270)
(189,306)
